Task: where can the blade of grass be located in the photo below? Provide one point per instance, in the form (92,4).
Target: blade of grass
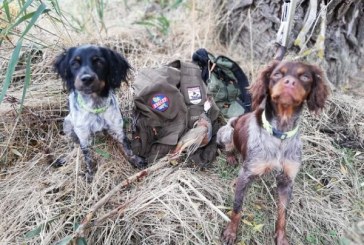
(100,12)
(20,20)
(31,38)
(65,240)
(63,19)
(15,55)
(176,4)
(26,82)
(7,11)
(41,9)
(11,67)
(37,230)
(24,7)
(56,7)
(81,241)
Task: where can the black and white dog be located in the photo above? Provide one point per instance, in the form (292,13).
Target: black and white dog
(91,73)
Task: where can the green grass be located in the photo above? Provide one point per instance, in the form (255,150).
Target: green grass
(29,13)
(223,169)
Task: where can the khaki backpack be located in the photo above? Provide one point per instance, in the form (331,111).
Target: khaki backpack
(168,101)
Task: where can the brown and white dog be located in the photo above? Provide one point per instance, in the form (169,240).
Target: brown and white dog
(268,138)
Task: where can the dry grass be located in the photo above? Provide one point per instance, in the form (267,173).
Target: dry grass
(327,205)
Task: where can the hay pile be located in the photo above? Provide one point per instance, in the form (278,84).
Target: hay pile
(41,204)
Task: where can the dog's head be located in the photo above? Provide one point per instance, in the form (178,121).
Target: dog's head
(92,69)
(289,84)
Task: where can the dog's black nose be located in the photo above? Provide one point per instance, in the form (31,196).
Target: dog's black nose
(87,79)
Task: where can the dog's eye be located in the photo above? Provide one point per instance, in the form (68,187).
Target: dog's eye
(277,75)
(75,64)
(305,78)
(98,61)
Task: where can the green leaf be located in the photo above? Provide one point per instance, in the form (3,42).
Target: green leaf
(21,19)
(81,241)
(176,4)
(145,23)
(11,67)
(65,241)
(26,81)
(35,16)
(344,241)
(258,227)
(102,153)
(311,239)
(35,232)
(24,8)
(7,11)
(15,55)
(56,7)
(100,9)
(76,224)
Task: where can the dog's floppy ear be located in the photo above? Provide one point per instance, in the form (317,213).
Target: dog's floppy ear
(62,67)
(119,68)
(259,89)
(319,90)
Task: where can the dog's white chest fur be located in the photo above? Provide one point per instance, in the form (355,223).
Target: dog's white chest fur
(268,152)
(85,122)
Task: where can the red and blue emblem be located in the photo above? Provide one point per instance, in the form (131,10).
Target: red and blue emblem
(160,102)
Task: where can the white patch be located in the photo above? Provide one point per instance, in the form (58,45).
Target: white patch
(194,94)
(84,123)
(207,106)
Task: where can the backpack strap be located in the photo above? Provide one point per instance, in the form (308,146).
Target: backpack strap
(201,58)
(242,82)
(243,85)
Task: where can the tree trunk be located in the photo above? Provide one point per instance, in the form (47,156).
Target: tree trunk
(329,32)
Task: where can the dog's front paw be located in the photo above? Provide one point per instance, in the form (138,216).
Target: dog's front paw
(281,239)
(229,236)
(89,177)
(59,162)
(137,161)
(231,160)
(91,169)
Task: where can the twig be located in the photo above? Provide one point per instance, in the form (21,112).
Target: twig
(85,222)
(203,198)
(119,210)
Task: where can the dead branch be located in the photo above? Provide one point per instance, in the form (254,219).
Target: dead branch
(116,211)
(136,177)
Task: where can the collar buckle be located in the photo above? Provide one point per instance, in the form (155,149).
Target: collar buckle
(275,132)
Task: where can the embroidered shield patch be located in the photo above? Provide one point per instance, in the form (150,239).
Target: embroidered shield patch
(160,102)
(194,94)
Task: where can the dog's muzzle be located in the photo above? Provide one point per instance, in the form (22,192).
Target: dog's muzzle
(87,79)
